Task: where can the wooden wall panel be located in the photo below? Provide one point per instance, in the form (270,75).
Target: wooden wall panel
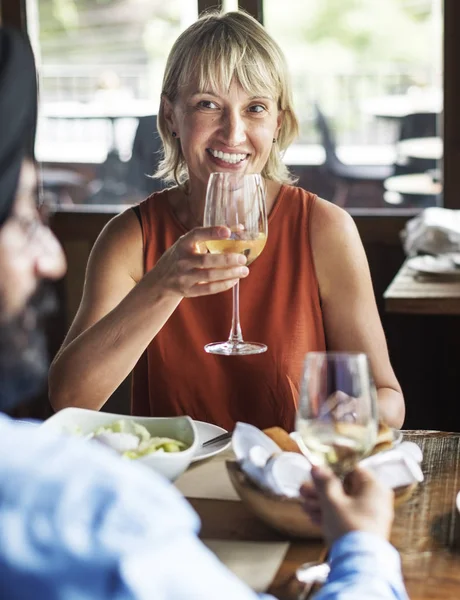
(13,13)
(451,124)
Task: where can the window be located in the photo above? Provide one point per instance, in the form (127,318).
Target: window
(370,71)
(101,65)
(364,63)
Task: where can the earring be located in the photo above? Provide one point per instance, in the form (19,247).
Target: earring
(274,140)
(174,134)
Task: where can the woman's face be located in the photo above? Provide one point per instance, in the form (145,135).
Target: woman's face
(223,131)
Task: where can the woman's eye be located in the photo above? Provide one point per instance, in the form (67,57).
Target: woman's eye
(257,108)
(207,104)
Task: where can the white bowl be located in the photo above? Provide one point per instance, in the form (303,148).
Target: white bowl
(171,465)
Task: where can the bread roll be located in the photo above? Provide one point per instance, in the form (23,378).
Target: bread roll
(287,444)
(282,438)
(384,438)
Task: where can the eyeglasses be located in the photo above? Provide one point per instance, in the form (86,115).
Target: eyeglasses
(34,228)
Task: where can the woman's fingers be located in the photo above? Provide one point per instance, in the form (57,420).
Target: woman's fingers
(207,289)
(210,275)
(192,271)
(213,261)
(202,234)
(188,279)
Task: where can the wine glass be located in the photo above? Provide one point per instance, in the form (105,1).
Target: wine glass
(337,420)
(238,202)
(337,414)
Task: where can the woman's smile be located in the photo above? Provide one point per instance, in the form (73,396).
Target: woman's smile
(233,160)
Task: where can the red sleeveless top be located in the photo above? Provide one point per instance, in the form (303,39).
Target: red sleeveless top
(279,306)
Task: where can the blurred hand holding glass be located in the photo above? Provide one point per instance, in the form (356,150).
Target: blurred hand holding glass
(238,202)
(337,414)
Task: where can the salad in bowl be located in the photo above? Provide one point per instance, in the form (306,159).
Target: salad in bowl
(165,444)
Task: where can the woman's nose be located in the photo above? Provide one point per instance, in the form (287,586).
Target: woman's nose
(234,129)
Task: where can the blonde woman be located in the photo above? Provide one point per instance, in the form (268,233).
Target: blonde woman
(152,300)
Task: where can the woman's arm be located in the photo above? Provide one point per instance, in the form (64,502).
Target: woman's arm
(122,310)
(350,314)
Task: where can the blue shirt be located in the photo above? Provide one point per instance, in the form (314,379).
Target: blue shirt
(76,522)
(363,566)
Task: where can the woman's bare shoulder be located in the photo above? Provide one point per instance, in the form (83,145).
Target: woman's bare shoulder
(120,242)
(329,219)
(337,249)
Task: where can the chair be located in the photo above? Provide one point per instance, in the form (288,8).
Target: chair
(146,154)
(414,125)
(118,182)
(346,175)
(417,125)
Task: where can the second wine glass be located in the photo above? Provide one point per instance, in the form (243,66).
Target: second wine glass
(238,202)
(337,414)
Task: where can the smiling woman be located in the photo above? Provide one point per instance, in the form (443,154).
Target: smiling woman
(248,81)
(150,304)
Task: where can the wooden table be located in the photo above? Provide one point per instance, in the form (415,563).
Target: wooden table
(412,293)
(427,528)
(423,531)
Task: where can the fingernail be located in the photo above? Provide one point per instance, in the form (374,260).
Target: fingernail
(244,271)
(242,260)
(224,232)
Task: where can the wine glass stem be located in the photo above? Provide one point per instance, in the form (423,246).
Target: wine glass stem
(235,332)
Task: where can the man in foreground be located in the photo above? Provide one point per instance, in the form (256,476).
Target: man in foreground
(75,521)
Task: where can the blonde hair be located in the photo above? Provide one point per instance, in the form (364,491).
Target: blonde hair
(217,49)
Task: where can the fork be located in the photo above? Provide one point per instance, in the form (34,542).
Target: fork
(223,437)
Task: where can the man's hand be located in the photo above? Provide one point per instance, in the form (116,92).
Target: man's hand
(362,504)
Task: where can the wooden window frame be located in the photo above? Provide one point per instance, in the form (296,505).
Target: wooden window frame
(254,8)
(204,5)
(13,13)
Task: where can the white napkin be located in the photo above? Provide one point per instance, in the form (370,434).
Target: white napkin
(283,473)
(434,230)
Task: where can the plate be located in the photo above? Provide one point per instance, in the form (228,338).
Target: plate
(207,431)
(443,264)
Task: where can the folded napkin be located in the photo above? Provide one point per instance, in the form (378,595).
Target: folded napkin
(283,473)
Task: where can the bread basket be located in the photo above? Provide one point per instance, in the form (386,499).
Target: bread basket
(283,514)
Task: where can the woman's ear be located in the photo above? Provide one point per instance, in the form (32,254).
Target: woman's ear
(168,112)
(279,123)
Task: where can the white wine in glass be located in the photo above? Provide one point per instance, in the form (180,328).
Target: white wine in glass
(238,202)
(337,414)
(250,248)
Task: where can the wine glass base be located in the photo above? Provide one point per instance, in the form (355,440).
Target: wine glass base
(235,348)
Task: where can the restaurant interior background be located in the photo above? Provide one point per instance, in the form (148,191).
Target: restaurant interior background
(360,69)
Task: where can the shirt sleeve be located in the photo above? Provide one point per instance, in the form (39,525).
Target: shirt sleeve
(363,566)
(78,522)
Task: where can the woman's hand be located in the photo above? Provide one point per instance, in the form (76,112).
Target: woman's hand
(187,270)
